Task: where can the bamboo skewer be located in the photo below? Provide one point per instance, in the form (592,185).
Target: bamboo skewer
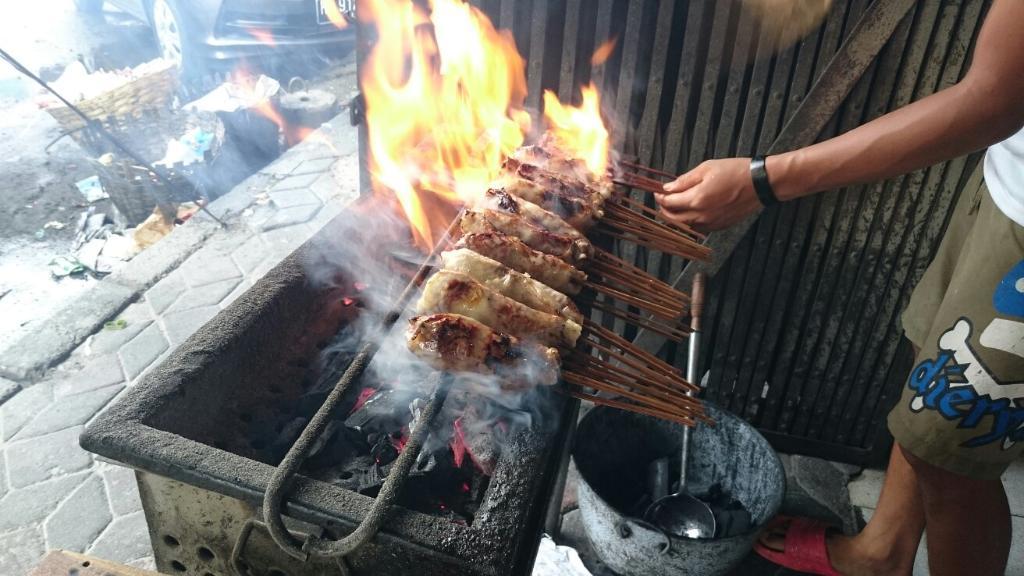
(686,420)
(657,309)
(674,333)
(641,207)
(608,262)
(687,411)
(623,344)
(643,168)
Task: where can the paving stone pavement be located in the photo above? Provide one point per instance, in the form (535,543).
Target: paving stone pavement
(55,495)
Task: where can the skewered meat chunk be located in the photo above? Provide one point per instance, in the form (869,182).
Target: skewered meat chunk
(579,213)
(511,252)
(457,293)
(563,247)
(460,344)
(546,157)
(504,201)
(515,285)
(565,185)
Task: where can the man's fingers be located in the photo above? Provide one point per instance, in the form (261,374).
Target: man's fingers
(685,181)
(677,202)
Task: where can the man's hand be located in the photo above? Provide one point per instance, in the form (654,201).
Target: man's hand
(712,196)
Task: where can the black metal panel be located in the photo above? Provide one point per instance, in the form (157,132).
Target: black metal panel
(803,335)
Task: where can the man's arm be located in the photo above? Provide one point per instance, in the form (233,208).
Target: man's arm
(984,108)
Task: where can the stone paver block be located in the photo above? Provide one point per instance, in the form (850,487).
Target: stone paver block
(44,457)
(291,216)
(53,337)
(329,212)
(205,295)
(314,166)
(17,411)
(69,411)
(166,291)
(291,182)
(285,163)
(30,505)
(79,519)
(97,372)
(283,241)
(136,317)
(20,550)
(207,267)
(250,254)
(816,488)
(124,540)
(8,389)
(143,350)
(181,325)
(122,489)
(293,197)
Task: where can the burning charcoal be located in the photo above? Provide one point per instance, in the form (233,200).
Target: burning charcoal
(380,413)
(280,442)
(341,444)
(383,450)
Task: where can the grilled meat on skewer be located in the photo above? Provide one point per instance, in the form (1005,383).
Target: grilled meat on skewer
(504,201)
(578,212)
(458,293)
(562,184)
(515,285)
(460,344)
(547,156)
(512,252)
(563,247)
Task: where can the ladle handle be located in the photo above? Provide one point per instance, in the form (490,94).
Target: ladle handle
(692,375)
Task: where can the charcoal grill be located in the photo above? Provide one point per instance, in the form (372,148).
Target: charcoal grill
(192,428)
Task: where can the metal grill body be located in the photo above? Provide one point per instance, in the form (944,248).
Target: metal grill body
(195,428)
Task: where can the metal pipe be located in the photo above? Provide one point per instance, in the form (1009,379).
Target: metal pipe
(273,499)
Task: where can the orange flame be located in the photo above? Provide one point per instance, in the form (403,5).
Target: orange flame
(334,14)
(444,93)
(263,35)
(603,52)
(579,131)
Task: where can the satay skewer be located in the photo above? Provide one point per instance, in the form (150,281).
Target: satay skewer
(648,169)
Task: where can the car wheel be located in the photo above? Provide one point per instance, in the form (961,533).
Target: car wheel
(89,6)
(173,38)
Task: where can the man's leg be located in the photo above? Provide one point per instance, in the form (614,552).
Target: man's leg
(888,543)
(968,522)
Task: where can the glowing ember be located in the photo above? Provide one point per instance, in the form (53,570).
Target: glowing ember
(458,443)
(579,131)
(359,286)
(364,395)
(400,442)
(347,301)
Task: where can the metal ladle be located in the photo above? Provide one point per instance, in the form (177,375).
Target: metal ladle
(681,513)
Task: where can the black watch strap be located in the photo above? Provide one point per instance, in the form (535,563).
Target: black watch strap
(762,186)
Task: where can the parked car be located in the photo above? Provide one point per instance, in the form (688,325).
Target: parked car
(204,36)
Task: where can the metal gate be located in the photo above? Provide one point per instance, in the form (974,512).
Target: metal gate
(803,335)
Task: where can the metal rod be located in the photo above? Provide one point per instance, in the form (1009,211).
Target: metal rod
(283,475)
(696,310)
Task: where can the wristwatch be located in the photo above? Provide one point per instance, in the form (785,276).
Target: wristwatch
(762,186)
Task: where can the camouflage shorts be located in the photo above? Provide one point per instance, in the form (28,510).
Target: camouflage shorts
(963,406)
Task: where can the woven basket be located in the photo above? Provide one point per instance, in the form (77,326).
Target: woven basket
(133,189)
(151,91)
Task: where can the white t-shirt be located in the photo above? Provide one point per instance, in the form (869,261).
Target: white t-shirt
(1004,175)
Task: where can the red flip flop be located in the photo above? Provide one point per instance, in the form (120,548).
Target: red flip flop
(805,548)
